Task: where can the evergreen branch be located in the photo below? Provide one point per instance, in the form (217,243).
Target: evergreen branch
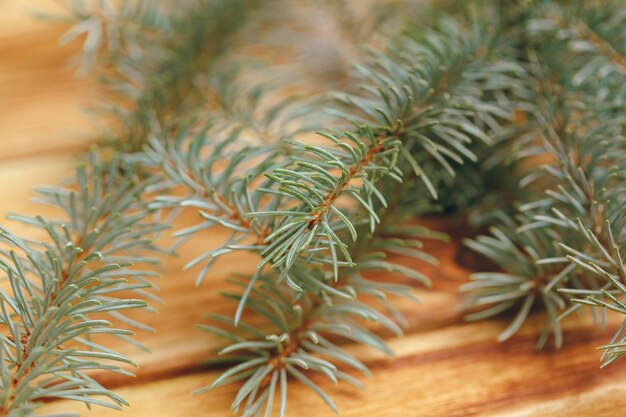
(225,195)
(153,53)
(417,104)
(594,32)
(60,290)
(582,143)
(323,290)
(307,321)
(523,282)
(316,177)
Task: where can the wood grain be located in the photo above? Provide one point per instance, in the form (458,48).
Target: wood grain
(443,366)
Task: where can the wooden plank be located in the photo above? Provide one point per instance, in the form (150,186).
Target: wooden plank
(453,371)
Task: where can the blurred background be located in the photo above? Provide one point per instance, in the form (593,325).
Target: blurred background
(41,125)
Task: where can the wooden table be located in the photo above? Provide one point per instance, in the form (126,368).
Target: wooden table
(444,367)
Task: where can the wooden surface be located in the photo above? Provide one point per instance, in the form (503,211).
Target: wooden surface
(443,366)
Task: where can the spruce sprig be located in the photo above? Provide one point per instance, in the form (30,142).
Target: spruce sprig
(317,246)
(95,262)
(148,56)
(73,288)
(562,236)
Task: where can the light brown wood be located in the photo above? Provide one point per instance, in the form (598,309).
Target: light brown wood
(444,367)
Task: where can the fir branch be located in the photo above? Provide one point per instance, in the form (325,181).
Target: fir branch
(593,32)
(63,290)
(312,218)
(311,319)
(224,194)
(323,289)
(417,105)
(556,238)
(154,52)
